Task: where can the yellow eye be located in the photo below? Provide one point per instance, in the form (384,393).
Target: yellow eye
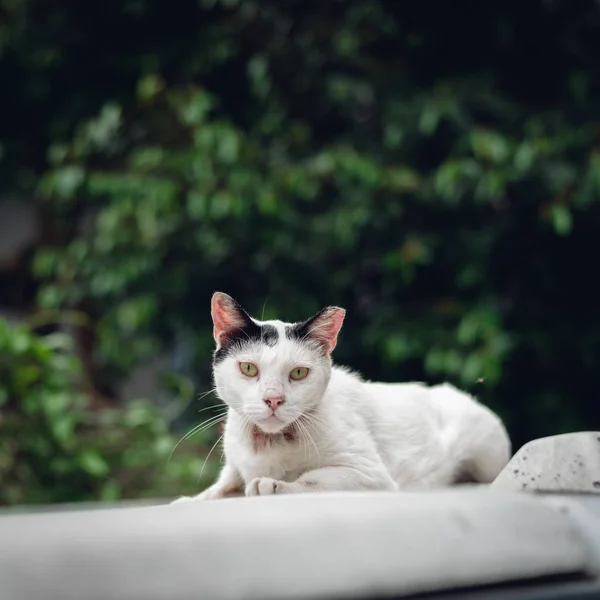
(249,369)
(298,373)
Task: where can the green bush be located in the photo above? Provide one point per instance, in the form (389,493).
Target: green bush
(438,176)
(56,447)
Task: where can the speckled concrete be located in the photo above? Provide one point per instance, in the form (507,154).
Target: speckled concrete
(567,463)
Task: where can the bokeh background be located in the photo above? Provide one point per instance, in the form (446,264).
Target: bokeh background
(433,166)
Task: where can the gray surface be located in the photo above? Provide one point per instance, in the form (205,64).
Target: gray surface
(584,512)
(561,463)
(29,509)
(568,590)
(303,546)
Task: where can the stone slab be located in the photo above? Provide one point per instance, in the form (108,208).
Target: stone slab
(568,463)
(343,545)
(583,510)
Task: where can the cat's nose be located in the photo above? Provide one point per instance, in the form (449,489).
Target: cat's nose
(274,401)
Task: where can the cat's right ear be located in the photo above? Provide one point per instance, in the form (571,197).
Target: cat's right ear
(228,317)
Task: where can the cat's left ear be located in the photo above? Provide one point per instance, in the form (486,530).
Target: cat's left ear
(228,317)
(325,326)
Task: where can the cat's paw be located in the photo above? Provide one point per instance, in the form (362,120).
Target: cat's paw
(265,486)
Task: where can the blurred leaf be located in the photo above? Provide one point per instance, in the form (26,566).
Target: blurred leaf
(93,463)
(63,182)
(490,146)
(561,219)
(149,87)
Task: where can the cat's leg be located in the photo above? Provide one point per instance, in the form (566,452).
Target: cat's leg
(325,479)
(228,484)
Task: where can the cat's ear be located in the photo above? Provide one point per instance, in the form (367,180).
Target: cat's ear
(228,317)
(325,326)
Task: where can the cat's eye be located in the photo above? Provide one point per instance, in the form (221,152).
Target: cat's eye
(298,373)
(249,369)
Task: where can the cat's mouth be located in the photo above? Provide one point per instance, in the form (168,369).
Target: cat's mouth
(272,424)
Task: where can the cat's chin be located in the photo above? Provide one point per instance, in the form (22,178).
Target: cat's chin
(271,425)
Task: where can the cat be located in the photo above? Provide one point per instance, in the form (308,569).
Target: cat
(296,423)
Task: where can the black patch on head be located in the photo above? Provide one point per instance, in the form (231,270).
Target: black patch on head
(297,331)
(269,335)
(300,331)
(250,332)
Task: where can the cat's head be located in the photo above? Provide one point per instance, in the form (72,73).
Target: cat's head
(272,372)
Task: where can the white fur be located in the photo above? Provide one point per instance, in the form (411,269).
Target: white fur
(351,434)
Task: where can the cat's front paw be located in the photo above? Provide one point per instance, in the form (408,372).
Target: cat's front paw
(265,486)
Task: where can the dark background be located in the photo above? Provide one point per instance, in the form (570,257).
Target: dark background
(433,167)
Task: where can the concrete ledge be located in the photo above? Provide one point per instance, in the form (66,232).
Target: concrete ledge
(561,463)
(584,513)
(357,545)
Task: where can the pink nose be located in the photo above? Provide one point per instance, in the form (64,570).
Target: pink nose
(274,401)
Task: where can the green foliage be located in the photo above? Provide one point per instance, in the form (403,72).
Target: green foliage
(437,179)
(56,447)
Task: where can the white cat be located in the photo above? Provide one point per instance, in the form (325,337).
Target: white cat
(296,423)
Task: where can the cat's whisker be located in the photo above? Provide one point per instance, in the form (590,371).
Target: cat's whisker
(197,429)
(204,394)
(310,437)
(219,414)
(214,421)
(315,421)
(298,427)
(247,424)
(208,456)
(213,406)
(262,314)
(185,437)
(313,415)
(303,439)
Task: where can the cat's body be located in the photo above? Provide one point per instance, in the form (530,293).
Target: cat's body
(297,424)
